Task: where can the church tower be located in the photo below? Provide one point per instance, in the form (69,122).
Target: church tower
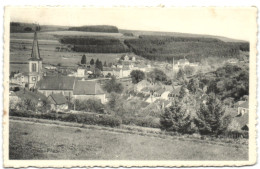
(35,64)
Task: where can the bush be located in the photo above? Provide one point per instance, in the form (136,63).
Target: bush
(90,119)
(141,121)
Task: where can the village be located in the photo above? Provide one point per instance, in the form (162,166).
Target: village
(64,88)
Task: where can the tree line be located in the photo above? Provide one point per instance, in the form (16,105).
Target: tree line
(164,48)
(96,28)
(94,44)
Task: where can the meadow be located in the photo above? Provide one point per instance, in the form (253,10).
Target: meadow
(29,140)
(21,45)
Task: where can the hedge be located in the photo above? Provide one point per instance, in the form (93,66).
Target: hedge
(90,119)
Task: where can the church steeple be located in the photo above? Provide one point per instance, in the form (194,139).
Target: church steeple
(35,64)
(35,49)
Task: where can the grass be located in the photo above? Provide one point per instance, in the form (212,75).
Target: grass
(41,141)
(21,45)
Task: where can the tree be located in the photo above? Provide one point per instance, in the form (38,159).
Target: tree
(210,116)
(157,75)
(183,92)
(193,85)
(105,64)
(188,70)
(113,86)
(137,76)
(92,62)
(99,65)
(180,74)
(83,60)
(176,118)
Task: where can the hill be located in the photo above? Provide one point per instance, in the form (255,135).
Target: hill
(165,48)
(96,28)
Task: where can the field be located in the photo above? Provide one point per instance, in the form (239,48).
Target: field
(30,140)
(21,44)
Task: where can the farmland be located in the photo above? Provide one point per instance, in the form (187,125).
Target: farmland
(42,141)
(21,44)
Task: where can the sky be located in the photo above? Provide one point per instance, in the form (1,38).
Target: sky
(236,23)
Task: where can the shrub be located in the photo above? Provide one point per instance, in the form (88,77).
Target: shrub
(90,119)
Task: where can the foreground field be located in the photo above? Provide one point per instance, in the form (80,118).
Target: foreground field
(30,140)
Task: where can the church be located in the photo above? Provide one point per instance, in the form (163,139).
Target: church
(70,87)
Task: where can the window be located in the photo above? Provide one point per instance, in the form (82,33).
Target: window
(33,67)
(33,78)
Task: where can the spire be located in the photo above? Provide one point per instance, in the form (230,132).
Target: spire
(35,49)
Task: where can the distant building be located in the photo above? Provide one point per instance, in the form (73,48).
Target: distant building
(58,102)
(84,90)
(142,84)
(20,78)
(71,87)
(133,59)
(243,108)
(183,62)
(81,72)
(35,64)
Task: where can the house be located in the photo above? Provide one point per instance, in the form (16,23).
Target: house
(183,62)
(133,59)
(58,102)
(81,72)
(174,93)
(243,108)
(142,84)
(232,61)
(146,90)
(84,90)
(71,87)
(56,84)
(20,78)
(126,58)
(158,92)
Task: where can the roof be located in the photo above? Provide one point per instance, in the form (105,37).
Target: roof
(175,91)
(160,91)
(56,83)
(182,61)
(242,120)
(35,49)
(87,88)
(244,105)
(58,99)
(12,93)
(146,89)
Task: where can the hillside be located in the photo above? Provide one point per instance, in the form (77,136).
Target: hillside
(30,140)
(96,28)
(164,48)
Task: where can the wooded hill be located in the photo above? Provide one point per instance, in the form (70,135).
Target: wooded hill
(95,44)
(164,48)
(96,28)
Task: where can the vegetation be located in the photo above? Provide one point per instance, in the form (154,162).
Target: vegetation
(176,118)
(76,143)
(113,86)
(94,44)
(90,105)
(83,60)
(16,27)
(96,28)
(229,81)
(164,48)
(157,75)
(137,76)
(210,117)
(84,118)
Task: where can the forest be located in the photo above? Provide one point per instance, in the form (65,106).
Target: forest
(94,44)
(96,28)
(164,48)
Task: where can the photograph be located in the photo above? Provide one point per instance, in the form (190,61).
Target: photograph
(113,86)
